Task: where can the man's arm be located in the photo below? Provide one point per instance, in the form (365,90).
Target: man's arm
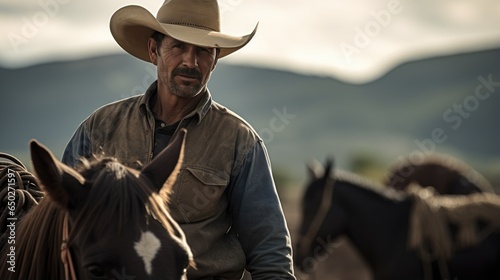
(259,220)
(77,147)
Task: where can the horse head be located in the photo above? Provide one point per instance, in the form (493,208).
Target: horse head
(118,225)
(316,236)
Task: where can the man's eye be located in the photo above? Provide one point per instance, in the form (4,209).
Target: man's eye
(205,50)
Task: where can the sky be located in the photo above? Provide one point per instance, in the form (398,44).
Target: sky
(356,41)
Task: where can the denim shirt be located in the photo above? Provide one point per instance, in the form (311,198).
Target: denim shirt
(224,198)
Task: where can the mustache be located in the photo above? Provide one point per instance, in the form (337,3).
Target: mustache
(190,72)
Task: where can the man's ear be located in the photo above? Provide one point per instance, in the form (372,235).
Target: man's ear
(60,182)
(153,51)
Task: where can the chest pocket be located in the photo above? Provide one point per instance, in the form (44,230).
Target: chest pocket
(198,193)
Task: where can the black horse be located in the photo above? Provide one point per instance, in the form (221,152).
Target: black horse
(376,219)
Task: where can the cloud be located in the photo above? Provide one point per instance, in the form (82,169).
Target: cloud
(360,40)
(356,41)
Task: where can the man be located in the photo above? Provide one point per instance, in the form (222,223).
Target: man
(224,198)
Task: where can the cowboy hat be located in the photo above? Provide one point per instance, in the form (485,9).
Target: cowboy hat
(195,22)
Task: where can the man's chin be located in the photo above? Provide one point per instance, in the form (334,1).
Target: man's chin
(187,91)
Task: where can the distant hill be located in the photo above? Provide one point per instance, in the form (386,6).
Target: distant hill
(300,117)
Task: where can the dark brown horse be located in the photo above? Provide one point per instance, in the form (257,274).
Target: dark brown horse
(106,220)
(446,174)
(376,219)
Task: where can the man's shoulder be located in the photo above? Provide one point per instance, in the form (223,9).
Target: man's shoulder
(116,109)
(226,113)
(120,106)
(232,119)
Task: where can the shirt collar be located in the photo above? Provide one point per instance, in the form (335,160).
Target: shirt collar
(200,111)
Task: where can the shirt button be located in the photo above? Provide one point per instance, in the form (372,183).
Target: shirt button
(162,124)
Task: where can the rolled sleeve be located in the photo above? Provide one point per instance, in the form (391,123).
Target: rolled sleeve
(259,220)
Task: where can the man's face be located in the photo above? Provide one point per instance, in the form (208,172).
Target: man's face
(183,68)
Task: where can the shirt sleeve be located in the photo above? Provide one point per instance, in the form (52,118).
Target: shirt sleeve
(77,147)
(258,218)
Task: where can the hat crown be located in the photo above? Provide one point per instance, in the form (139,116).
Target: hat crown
(202,14)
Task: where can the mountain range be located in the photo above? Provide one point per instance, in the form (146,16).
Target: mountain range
(447,104)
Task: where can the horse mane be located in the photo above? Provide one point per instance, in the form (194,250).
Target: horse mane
(347,177)
(118,195)
(37,247)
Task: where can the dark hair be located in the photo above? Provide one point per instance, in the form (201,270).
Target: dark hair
(158,37)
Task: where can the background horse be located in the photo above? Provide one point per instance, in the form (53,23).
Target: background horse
(376,219)
(114,217)
(446,174)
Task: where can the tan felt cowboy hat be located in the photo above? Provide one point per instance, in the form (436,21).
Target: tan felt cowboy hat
(195,22)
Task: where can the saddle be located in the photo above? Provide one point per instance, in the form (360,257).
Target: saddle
(429,231)
(432,214)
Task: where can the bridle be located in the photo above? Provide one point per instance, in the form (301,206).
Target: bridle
(319,218)
(69,268)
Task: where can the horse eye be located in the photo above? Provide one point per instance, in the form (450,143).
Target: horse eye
(96,271)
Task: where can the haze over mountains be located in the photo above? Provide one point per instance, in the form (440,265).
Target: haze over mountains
(446,104)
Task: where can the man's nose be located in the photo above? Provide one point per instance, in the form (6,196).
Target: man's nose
(190,58)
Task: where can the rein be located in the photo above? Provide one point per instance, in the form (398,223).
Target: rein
(319,218)
(69,269)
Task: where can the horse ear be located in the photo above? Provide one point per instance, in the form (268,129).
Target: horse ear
(315,169)
(164,168)
(328,167)
(62,184)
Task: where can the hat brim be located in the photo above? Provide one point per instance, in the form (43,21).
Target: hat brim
(132,26)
